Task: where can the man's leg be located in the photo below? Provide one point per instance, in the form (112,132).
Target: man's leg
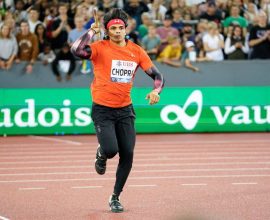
(105,131)
(125,133)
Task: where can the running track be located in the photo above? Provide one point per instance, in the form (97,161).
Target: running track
(207,176)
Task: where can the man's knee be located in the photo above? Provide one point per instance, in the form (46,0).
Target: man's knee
(110,153)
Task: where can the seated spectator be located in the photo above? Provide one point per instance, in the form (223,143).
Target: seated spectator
(33,21)
(236,45)
(28,46)
(190,56)
(165,31)
(201,30)
(187,33)
(40,32)
(213,43)
(131,32)
(259,38)
(20,14)
(143,28)
(157,11)
(172,52)
(151,42)
(135,8)
(47,56)
(9,47)
(78,31)
(61,26)
(64,63)
(177,20)
(236,19)
(212,13)
(251,13)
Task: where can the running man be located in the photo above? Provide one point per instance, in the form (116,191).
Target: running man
(115,61)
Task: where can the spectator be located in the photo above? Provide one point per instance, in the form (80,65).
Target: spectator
(61,26)
(236,45)
(47,56)
(213,43)
(40,32)
(187,33)
(9,47)
(20,14)
(177,20)
(251,13)
(190,56)
(78,31)
(135,8)
(212,13)
(132,34)
(64,63)
(265,6)
(143,28)
(259,39)
(28,46)
(236,19)
(165,31)
(157,11)
(172,52)
(151,42)
(33,19)
(201,30)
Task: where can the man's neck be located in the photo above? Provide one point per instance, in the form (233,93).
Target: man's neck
(120,44)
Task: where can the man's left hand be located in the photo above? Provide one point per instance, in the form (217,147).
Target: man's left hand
(153,97)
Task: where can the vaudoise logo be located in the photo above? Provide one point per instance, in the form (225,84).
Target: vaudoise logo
(188,122)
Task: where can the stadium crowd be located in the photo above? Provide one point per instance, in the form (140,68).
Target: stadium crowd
(173,32)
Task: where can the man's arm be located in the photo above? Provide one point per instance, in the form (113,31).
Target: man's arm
(158,78)
(80,47)
(153,96)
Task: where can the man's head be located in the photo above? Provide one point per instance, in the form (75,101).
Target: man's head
(168,21)
(115,23)
(24,27)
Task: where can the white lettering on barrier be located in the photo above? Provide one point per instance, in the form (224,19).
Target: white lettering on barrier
(82,117)
(238,114)
(47,117)
(66,114)
(43,117)
(28,111)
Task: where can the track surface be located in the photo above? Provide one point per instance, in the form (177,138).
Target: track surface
(207,176)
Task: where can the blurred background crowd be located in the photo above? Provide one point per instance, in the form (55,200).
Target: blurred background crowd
(174,32)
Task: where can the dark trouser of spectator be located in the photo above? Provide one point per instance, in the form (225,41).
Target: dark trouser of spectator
(56,72)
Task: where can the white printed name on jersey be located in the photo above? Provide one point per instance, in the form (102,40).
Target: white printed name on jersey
(122,71)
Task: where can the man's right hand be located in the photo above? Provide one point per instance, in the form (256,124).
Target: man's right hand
(95,27)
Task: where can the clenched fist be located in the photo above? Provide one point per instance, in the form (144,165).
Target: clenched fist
(153,97)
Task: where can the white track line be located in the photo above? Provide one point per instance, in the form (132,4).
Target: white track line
(87,153)
(244,183)
(194,184)
(135,178)
(139,171)
(142,185)
(85,187)
(32,188)
(138,165)
(54,140)
(159,157)
(3,218)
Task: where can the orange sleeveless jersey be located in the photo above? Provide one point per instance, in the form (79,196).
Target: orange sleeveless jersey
(114,71)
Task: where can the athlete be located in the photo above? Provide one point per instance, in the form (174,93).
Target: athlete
(115,61)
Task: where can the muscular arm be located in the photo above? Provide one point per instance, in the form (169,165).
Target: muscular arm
(154,73)
(80,47)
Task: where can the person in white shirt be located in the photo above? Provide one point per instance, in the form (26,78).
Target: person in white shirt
(213,43)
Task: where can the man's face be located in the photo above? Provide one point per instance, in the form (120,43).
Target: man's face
(117,33)
(24,28)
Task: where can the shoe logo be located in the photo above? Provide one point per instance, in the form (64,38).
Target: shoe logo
(188,122)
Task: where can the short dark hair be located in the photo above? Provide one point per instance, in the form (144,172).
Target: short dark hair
(115,13)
